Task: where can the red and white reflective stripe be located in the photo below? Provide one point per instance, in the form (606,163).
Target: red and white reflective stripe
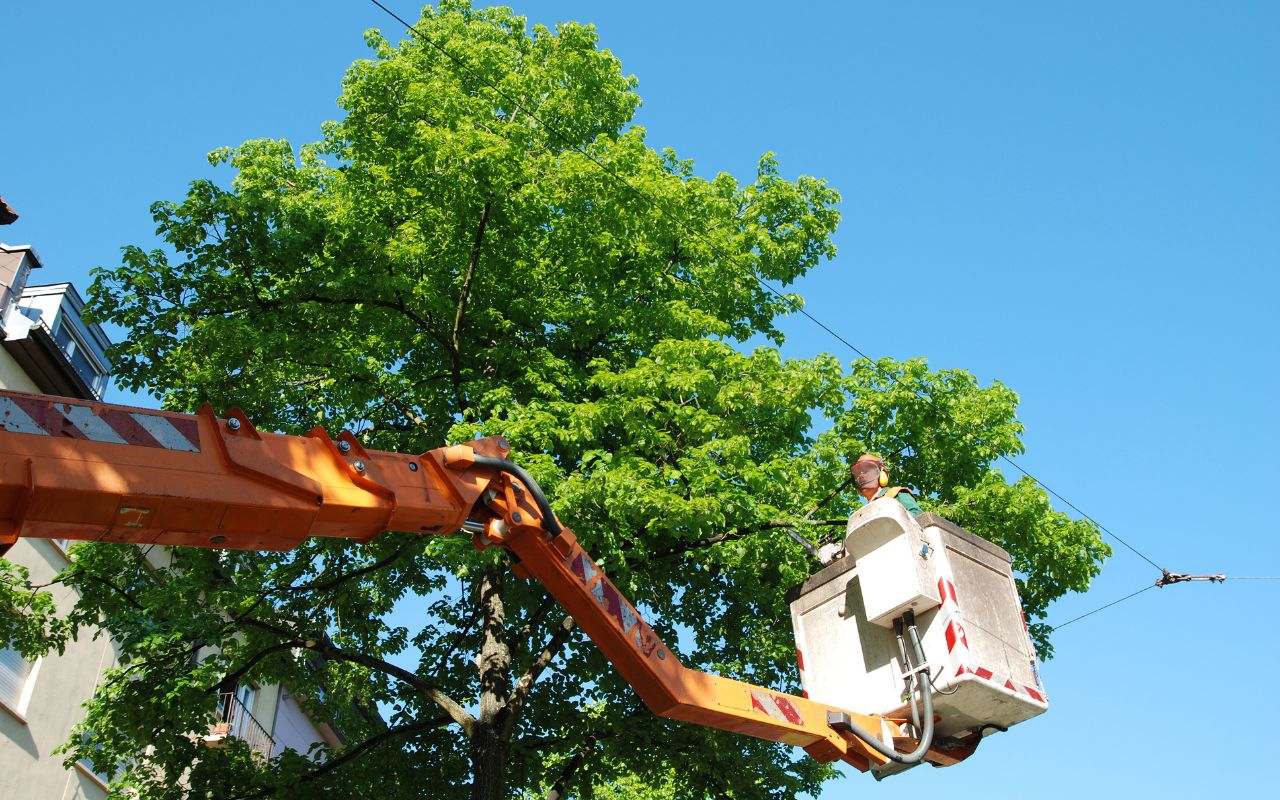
(800,666)
(958,652)
(947,592)
(49,418)
(990,675)
(776,706)
(956,636)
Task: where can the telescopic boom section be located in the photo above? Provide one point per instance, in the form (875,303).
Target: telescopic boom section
(94,471)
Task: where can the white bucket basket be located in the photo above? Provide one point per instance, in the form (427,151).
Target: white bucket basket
(967,611)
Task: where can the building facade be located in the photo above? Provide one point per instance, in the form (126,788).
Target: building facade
(48,347)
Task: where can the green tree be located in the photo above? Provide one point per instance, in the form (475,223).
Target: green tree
(485,243)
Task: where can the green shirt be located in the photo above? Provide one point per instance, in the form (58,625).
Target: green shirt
(908,502)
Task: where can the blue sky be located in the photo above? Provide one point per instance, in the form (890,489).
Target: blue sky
(1081,202)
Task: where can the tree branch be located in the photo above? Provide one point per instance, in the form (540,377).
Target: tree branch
(561,785)
(459,314)
(322,645)
(95,578)
(521,692)
(473,262)
(456,640)
(740,533)
(351,753)
(324,586)
(534,620)
(422,321)
(229,681)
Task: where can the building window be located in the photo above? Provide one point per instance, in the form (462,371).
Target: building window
(15,680)
(247,694)
(93,373)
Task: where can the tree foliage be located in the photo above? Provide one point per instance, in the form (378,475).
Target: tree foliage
(486,243)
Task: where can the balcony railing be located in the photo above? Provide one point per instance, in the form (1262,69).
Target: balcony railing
(236,720)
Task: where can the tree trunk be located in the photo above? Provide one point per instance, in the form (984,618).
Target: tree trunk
(488,746)
(488,764)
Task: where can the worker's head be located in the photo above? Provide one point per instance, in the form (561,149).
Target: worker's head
(869,474)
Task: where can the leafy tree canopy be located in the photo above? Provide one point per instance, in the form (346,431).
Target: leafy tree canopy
(450,258)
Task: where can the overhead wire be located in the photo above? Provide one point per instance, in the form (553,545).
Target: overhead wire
(1102,608)
(1152,586)
(1077,509)
(788,301)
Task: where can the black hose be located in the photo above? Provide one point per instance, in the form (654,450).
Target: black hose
(549,520)
(926,737)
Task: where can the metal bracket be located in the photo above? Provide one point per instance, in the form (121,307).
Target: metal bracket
(1170,578)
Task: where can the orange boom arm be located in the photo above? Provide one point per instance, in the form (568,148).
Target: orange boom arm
(83,470)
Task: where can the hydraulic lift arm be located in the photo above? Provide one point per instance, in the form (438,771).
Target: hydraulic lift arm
(96,471)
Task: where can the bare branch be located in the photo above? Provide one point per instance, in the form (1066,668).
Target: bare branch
(740,533)
(474,261)
(459,314)
(334,582)
(355,751)
(456,640)
(534,620)
(561,785)
(229,681)
(351,753)
(423,322)
(549,651)
(322,645)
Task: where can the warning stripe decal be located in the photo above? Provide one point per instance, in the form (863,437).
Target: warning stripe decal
(167,433)
(776,707)
(947,592)
(955,635)
(48,418)
(129,428)
(93,427)
(16,419)
(1007,683)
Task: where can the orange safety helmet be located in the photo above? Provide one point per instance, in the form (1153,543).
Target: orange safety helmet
(869,472)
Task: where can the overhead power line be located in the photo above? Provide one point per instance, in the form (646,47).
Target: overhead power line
(1077,509)
(1102,608)
(1168,579)
(653,203)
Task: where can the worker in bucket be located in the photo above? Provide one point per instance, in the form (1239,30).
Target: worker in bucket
(872,478)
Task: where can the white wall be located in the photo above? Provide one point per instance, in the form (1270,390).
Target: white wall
(292,729)
(58,687)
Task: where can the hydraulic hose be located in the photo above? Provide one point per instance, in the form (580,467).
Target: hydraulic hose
(549,520)
(926,735)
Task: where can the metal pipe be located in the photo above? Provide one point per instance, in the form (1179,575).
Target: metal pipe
(911,676)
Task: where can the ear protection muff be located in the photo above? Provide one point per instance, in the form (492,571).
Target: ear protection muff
(884,478)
